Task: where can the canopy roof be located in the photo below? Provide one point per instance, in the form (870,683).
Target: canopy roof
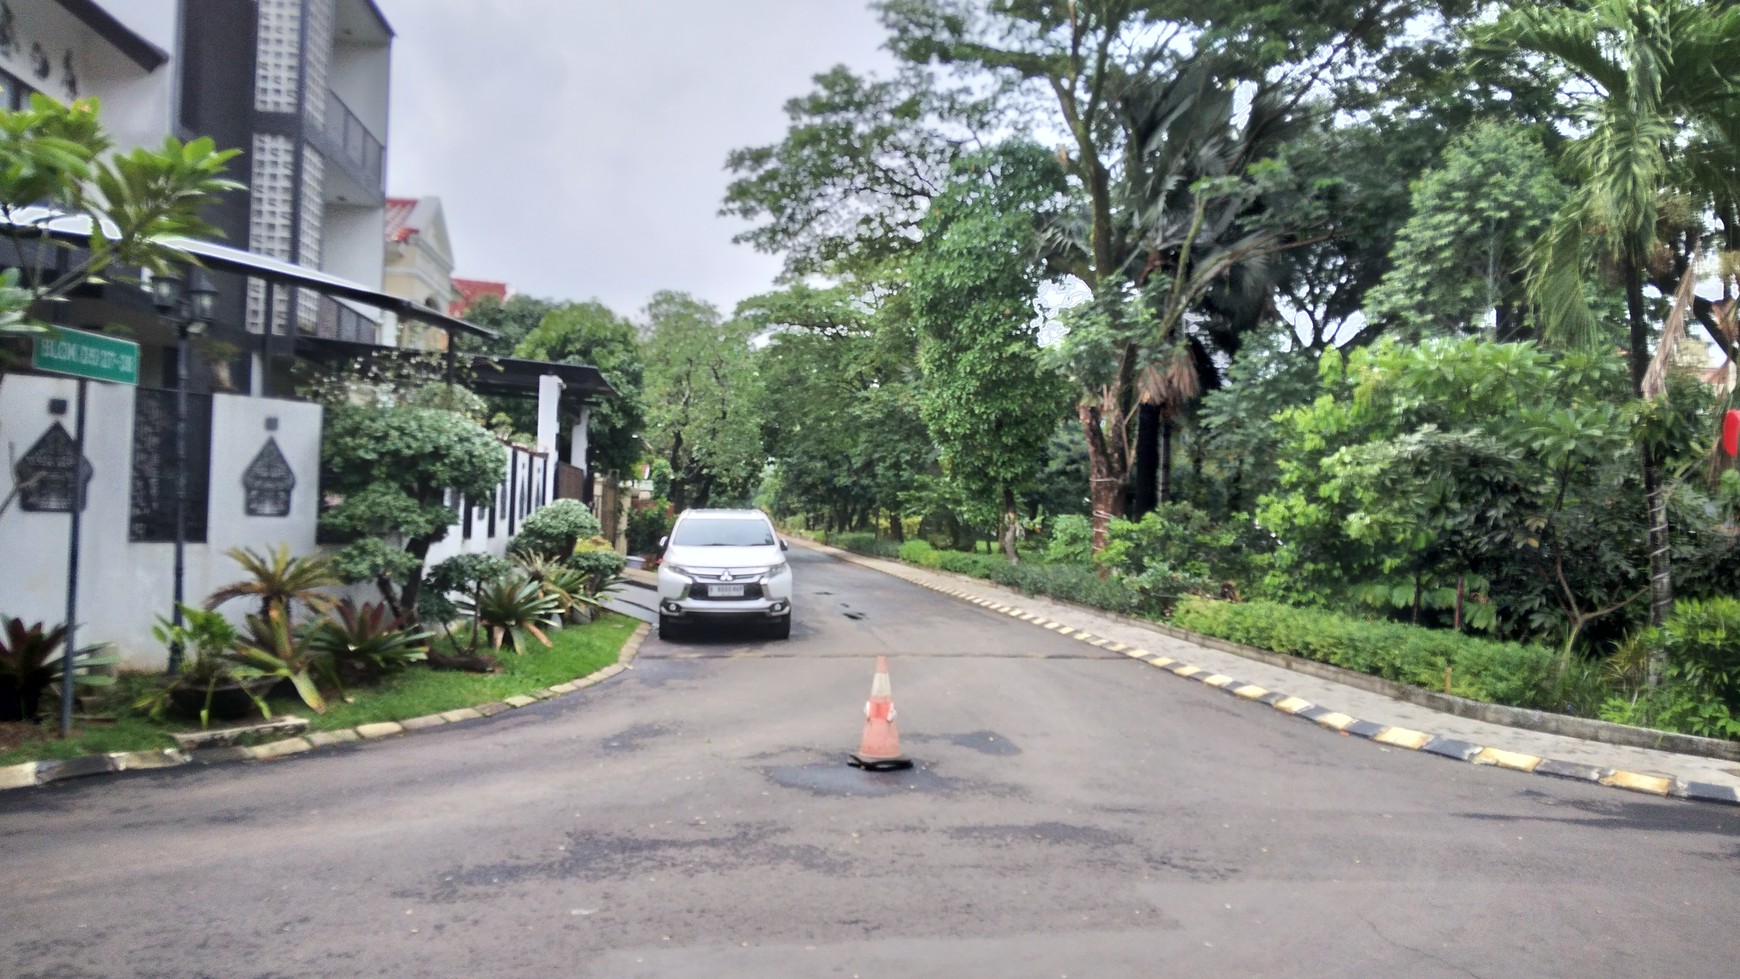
(77,229)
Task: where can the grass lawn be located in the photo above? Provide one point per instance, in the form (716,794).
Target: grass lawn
(577,651)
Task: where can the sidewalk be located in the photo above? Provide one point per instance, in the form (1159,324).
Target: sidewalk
(1338,698)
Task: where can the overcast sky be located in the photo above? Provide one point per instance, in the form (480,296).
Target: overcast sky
(578,146)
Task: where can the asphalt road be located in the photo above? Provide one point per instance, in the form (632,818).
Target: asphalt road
(1073,813)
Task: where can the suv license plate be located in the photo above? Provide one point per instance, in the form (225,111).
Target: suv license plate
(724,591)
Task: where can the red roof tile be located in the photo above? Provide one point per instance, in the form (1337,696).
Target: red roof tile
(469,290)
(398,212)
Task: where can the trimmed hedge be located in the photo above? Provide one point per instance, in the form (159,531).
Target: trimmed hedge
(1480,669)
(864,543)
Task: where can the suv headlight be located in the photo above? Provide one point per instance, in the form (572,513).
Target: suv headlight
(678,570)
(778,569)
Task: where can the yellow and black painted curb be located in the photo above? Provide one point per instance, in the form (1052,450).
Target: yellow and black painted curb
(44,772)
(1393,737)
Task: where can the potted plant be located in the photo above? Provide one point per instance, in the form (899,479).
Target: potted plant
(208,685)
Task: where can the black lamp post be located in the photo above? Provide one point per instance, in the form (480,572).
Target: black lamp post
(189,311)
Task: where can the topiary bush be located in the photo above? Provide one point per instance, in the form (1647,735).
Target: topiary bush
(554,529)
(598,561)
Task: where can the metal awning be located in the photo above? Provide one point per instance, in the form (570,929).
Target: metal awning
(581,383)
(77,229)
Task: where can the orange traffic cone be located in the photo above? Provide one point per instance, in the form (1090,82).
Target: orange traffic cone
(879,751)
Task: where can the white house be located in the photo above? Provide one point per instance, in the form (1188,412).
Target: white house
(301,87)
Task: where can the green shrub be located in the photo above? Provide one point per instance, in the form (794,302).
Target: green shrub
(1071,540)
(920,552)
(1071,583)
(961,562)
(554,529)
(1702,641)
(1497,672)
(1675,705)
(865,543)
(647,526)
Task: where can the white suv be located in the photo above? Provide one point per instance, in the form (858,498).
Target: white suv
(724,565)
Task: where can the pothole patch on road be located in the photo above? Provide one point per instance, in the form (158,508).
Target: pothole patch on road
(984,742)
(838,780)
(1041,833)
(633,738)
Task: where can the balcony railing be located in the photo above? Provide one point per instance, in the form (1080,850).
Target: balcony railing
(352,143)
(336,321)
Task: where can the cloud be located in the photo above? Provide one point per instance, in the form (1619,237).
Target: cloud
(578,147)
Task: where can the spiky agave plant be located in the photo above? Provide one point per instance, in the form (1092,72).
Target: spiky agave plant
(277,580)
(511,607)
(566,585)
(269,647)
(368,638)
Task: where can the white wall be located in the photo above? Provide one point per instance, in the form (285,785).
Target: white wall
(511,511)
(124,586)
(137,106)
(351,244)
(360,75)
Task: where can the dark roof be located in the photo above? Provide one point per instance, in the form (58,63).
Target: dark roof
(581,383)
(77,229)
(138,50)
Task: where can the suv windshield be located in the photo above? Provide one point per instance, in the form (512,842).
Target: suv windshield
(722,532)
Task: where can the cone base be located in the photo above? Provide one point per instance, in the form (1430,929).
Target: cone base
(880,764)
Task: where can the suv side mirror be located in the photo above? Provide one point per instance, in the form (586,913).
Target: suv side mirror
(784,544)
(663,541)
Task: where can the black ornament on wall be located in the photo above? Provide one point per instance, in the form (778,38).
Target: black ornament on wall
(268,482)
(44,476)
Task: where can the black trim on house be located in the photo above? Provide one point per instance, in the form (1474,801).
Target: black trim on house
(138,50)
(581,384)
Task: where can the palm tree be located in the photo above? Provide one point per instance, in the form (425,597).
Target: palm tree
(277,579)
(1659,103)
(1189,200)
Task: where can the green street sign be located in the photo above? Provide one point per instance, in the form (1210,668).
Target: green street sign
(91,355)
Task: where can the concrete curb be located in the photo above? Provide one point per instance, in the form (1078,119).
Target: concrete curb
(32,773)
(1396,737)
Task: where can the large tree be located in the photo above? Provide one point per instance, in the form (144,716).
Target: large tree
(1657,112)
(1462,255)
(701,397)
(988,401)
(590,333)
(511,320)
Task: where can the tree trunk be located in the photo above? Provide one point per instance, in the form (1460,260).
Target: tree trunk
(1010,517)
(1106,475)
(895,530)
(1661,583)
(1166,428)
(1146,474)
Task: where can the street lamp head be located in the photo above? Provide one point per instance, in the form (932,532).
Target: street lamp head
(165,291)
(203,295)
